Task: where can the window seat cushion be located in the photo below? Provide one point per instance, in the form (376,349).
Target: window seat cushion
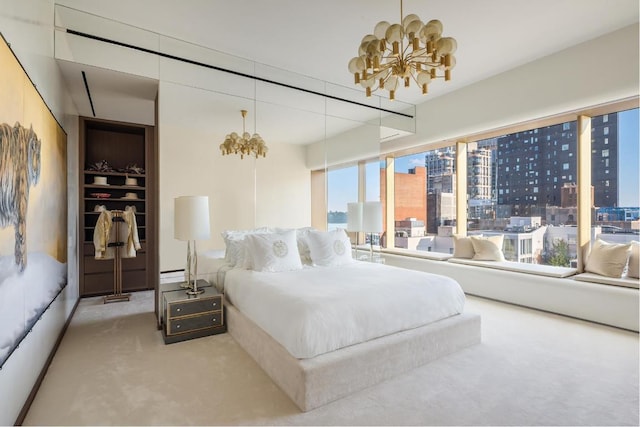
(519,267)
(435,256)
(625,281)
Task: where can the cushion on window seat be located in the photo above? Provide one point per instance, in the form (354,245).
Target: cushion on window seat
(435,256)
(519,267)
(625,281)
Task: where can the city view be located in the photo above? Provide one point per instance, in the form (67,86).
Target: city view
(520,185)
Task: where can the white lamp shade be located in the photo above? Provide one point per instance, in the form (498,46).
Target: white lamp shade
(354,216)
(191,218)
(372,217)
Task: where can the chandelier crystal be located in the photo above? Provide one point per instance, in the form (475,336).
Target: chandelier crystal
(244,144)
(401,53)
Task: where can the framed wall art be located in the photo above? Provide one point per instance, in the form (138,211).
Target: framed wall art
(33,204)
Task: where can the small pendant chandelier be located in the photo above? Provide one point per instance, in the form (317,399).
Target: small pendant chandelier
(244,144)
(385,57)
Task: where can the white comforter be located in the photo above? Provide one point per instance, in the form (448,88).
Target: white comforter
(320,309)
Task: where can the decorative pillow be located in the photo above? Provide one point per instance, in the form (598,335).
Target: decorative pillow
(274,252)
(462,247)
(303,244)
(608,259)
(329,248)
(236,251)
(488,248)
(634,260)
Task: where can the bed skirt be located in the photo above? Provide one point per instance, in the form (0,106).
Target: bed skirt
(311,383)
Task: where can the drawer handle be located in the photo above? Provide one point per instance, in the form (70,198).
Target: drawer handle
(214,304)
(214,319)
(177,326)
(178,309)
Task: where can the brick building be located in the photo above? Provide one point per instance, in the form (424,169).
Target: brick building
(410,194)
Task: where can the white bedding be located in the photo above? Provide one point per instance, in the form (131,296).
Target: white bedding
(212,268)
(316,310)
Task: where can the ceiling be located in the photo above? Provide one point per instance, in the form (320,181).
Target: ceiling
(316,39)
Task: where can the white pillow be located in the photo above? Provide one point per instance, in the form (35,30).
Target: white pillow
(303,244)
(236,251)
(329,248)
(634,260)
(462,247)
(488,248)
(608,259)
(274,252)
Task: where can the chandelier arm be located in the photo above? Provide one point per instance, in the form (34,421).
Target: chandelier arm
(417,53)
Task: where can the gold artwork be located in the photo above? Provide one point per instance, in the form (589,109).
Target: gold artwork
(33,204)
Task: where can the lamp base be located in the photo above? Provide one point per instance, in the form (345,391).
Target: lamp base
(195,292)
(185,285)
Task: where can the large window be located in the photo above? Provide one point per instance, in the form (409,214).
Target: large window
(523,185)
(425,203)
(615,176)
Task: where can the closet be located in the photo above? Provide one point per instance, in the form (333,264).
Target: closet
(118,171)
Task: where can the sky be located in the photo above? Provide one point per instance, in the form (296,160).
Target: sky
(629,159)
(343,183)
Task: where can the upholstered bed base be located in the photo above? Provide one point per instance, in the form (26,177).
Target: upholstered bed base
(311,383)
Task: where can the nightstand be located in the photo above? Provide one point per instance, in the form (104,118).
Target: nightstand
(192,316)
(172,287)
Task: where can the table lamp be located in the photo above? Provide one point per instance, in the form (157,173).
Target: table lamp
(372,221)
(354,220)
(192,223)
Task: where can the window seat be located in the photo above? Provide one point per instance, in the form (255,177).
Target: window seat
(610,305)
(519,267)
(624,281)
(435,256)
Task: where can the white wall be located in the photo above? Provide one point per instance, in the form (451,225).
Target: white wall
(357,144)
(195,112)
(243,193)
(28,27)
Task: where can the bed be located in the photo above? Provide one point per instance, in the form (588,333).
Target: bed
(323,330)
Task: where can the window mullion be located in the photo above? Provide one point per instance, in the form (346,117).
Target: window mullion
(584,188)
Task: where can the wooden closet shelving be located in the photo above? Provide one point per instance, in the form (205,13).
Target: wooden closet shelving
(121,146)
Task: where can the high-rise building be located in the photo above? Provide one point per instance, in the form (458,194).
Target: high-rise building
(479,181)
(604,160)
(441,170)
(441,210)
(533,166)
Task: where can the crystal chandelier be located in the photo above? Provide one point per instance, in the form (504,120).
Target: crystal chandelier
(245,143)
(408,51)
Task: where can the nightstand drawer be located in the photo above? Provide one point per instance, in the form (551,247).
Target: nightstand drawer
(186,308)
(194,323)
(191,316)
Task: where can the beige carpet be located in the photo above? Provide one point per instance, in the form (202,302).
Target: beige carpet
(532,368)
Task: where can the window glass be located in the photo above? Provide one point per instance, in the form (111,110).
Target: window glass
(425,204)
(533,206)
(342,188)
(615,177)
(373,177)
(373,193)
